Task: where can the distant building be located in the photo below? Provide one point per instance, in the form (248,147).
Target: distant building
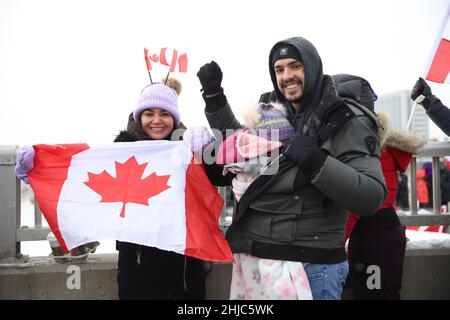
(398,106)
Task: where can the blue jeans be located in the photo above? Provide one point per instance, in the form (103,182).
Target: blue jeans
(327,280)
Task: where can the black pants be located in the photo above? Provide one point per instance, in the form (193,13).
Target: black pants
(384,250)
(154,274)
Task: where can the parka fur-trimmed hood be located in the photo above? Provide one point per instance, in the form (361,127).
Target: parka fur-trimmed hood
(133,133)
(397,138)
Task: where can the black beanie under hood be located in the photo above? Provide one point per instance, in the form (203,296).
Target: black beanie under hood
(313,70)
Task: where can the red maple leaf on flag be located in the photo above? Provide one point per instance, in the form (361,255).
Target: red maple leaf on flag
(154,57)
(128,187)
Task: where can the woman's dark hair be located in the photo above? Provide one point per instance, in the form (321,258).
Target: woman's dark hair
(135,128)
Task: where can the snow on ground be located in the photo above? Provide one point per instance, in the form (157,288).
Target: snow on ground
(421,211)
(427,240)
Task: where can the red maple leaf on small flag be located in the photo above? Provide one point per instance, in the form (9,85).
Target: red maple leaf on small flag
(154,57)
(128,187)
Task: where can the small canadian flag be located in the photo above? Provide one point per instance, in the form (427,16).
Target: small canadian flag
(439,69)
(147,192)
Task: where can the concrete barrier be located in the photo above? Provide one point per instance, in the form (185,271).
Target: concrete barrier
(43,278)
(426,276)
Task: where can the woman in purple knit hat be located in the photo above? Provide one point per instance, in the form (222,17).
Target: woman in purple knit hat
(147,272)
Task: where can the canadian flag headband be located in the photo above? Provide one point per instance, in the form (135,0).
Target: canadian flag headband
(181,60)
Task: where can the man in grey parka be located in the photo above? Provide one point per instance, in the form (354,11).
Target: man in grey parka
(330,166)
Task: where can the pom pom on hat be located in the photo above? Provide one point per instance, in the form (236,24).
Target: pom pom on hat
(173,83)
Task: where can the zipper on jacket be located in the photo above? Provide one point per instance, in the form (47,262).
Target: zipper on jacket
(184,274)
(138,253)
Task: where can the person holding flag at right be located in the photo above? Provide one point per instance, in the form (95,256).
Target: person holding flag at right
(436,110)
(438,71)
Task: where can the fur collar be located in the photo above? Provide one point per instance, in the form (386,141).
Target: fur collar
(135,132)
(125,136)
(398,138)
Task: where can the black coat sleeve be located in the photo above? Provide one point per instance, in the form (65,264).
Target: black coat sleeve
(214,171)
(440,115)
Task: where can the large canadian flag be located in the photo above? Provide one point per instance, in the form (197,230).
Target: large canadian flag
(147,192)
(439,69)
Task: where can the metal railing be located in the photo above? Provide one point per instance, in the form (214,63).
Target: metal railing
(12,233)
(434,150)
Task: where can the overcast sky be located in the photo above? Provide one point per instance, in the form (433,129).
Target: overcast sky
(72,71)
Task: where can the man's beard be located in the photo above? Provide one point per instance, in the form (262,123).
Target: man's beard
(295,100)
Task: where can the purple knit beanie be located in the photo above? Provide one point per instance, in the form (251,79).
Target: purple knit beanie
(271,119)
(158,96)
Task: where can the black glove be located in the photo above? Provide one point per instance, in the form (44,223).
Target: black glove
(422,88)
(305,151)
(210,77)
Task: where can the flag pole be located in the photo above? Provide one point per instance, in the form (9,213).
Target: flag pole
(151,81)
(411,115)
(148,64)
(167,77)
(428,65)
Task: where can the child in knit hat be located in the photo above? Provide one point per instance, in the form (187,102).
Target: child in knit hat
(248,152)
(268,120)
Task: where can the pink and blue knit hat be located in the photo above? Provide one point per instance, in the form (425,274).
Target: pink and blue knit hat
(158,96)
(269,120)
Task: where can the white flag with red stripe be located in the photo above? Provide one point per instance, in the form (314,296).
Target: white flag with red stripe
(146,192)
(439,69)
(439,229)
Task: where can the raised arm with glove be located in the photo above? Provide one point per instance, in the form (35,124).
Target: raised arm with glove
(435,109)
(210,76)
(217,109)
